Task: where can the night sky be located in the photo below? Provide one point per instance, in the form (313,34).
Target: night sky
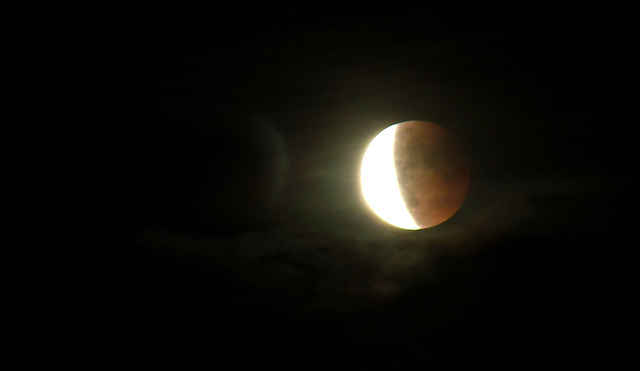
(198,196)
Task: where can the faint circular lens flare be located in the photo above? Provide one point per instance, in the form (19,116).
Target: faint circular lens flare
(380,183)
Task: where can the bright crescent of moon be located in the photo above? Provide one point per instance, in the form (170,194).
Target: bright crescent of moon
(380,183)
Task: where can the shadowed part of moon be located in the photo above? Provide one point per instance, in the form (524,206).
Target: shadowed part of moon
(433,171)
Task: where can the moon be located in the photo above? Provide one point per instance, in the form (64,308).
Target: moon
(415,175)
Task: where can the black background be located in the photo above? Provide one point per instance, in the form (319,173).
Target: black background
(196,186)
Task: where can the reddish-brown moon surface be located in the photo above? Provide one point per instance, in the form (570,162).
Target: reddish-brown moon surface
(433,171)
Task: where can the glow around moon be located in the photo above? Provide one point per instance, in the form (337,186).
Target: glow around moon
(415,175)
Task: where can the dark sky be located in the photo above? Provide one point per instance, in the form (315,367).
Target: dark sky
(201,205)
